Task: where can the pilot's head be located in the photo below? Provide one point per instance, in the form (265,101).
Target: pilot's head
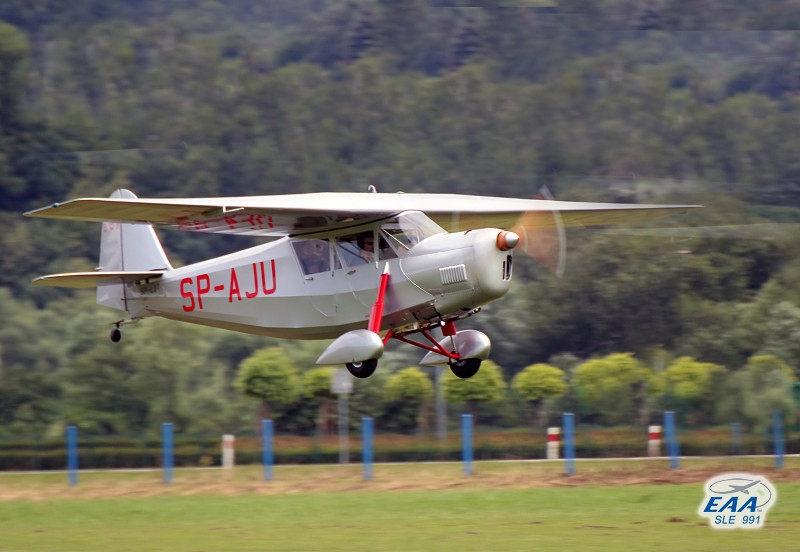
(366,241)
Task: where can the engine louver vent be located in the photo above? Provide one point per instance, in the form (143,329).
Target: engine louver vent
(453,274)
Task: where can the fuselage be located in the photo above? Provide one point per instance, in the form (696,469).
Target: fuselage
(320,286)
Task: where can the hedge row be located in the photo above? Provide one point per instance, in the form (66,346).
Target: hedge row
(123,452)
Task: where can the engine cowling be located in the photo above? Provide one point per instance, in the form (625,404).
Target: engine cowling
(463,270)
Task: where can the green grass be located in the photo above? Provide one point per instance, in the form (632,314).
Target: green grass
(459,515)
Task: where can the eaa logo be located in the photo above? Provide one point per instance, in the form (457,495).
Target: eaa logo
(737,501)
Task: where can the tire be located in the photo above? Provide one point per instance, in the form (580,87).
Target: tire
(116,335)
(465,368)
(362,369)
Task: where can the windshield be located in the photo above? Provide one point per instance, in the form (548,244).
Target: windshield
(408,229)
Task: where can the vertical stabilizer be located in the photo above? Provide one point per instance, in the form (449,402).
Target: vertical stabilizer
(127,247)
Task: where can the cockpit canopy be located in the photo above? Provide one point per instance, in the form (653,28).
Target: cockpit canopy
(408,229)
(394,238)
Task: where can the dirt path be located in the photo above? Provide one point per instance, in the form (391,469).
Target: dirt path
(386,478)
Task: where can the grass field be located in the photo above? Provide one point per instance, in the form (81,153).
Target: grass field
(617,505)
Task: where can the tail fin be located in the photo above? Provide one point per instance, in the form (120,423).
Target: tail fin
(127,248)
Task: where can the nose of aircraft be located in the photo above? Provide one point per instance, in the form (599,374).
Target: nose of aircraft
(507,240)
(492,261)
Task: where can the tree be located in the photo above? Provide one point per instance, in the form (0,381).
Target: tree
(467,45)
(756,391)
(13,51)
(24,139)
(363,37)
(367,397)
(406,395)
(538,382)
(781,331)
(613,387)
(484,387)
(618,293)
(144,380)
(692,385)
(269,376)
(317,384)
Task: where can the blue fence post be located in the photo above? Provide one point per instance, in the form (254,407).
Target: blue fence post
(466,442)
(569,443)
(736,438)
(267,448)
(779,442)
(167,444)
(366,446)
(672,440)
(72,455)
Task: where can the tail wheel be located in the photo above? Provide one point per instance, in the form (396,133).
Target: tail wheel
(116,335)
(465,368)
(362,369)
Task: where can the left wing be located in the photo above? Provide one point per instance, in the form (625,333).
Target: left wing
(281,215)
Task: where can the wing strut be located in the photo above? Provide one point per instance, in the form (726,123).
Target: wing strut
(376,314)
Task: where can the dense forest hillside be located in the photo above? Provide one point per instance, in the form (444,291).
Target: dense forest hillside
(615,100)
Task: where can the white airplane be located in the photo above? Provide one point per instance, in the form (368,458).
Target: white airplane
(349,266)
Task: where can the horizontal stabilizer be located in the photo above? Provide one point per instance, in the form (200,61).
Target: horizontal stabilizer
(91,279)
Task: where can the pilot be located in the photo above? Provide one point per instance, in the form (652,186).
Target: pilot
(366,246)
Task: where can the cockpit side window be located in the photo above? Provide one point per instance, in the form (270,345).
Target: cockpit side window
(357,249)
(314,256)
(384,251)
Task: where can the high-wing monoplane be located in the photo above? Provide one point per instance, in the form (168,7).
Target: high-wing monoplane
(359,268)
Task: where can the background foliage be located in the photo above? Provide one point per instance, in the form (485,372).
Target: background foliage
(613,100)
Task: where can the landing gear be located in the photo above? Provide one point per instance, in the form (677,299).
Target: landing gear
(116,333)
(362,369)
(462,351)
(465,368)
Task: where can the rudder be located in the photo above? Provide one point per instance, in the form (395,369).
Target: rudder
(127,247)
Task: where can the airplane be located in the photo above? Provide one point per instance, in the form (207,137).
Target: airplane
(740,488)
(360,268)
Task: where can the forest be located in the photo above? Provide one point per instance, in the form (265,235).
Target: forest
(664,101)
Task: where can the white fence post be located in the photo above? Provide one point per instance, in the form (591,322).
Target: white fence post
(654,440)
(228,451)
(553,442)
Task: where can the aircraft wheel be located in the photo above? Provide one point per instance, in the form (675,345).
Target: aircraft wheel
(465,368)
(116,335)
(362,369)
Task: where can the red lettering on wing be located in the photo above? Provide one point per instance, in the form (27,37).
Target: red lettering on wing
(183,223)
(256,221)
(231,221)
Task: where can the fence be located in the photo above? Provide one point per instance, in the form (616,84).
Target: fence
(146,451)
